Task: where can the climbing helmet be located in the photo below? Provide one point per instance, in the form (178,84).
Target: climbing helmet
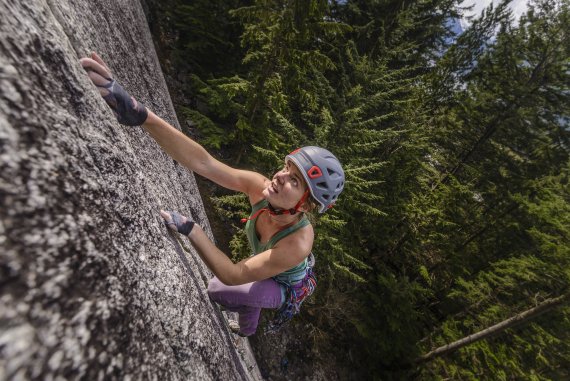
(322,171)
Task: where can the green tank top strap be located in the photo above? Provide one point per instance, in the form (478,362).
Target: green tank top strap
(261,204)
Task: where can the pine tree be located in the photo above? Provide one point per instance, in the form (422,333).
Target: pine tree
(454,215)
(508,136)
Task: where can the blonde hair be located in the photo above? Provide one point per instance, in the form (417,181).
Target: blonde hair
(311,204)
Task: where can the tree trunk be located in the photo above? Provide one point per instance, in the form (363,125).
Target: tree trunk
(521,318)
(483,229)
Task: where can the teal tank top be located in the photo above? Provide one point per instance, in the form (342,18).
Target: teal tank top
(294,274)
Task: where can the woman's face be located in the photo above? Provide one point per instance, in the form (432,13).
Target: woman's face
(286,188)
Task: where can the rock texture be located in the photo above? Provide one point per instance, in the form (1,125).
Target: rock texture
(91,286)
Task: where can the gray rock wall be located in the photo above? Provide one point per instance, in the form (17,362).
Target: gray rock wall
(91,286)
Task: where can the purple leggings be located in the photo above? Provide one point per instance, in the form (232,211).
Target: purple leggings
(247,300)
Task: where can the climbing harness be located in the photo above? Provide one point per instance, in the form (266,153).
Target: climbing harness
(294,298)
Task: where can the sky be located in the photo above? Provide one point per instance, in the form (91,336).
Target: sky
(518,7)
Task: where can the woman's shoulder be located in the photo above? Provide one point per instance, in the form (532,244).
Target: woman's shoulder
(255,194)
(301,239)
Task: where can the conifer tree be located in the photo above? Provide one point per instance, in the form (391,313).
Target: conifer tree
(454,215)
(509,135)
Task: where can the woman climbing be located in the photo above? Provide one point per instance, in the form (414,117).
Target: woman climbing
(278,275)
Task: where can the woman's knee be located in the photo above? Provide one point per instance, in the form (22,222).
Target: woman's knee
(215,287)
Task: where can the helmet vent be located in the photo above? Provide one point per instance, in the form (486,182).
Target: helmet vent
(332,173)
(322,185)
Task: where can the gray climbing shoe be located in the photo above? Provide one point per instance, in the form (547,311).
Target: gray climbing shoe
(234,327)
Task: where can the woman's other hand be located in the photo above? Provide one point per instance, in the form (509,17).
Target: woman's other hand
(177,222)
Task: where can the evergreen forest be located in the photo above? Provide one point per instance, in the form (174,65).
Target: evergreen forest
(456,211)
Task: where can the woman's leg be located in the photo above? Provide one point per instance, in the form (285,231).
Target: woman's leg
(247,300)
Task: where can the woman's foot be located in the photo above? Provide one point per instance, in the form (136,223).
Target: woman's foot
(234,327)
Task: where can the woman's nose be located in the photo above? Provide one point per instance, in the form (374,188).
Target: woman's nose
(282,176)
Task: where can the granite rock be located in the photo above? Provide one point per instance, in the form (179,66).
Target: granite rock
(91,285)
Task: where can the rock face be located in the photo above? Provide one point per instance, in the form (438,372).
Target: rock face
(91,284)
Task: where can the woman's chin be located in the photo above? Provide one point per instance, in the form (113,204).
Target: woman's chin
(270,197)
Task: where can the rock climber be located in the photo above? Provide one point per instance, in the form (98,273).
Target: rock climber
(279,273)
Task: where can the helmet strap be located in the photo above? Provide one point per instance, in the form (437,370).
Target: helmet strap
(278,212)
(293,210)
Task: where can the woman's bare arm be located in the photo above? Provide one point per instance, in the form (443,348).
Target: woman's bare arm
(194,157)
(181,148)
(289,252)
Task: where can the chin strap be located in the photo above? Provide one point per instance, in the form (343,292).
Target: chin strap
(278,212)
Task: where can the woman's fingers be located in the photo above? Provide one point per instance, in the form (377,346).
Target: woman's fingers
(91,64)
(178,222)
(128,111)
(99,60)
(168,220)
(99,81)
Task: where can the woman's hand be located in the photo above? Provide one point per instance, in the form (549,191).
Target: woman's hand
(128,111)
(177,222)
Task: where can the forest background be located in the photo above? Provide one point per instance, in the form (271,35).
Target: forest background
(455,214)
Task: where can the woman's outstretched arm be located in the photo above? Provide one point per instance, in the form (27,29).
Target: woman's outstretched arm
(179,146)
(194,157)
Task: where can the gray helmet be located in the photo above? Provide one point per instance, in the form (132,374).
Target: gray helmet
(322,171)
